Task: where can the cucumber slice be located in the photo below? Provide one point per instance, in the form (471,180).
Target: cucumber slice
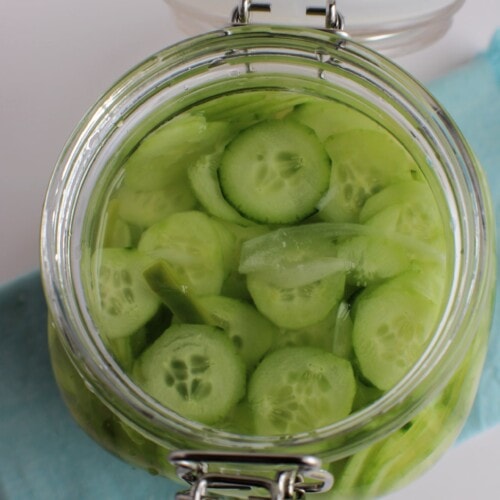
(328,118)
(376,255)
(428,279)
(193,370)
(229,247)
(374,258)
(318,335)
(145,208)
(300,389)
(407,208)
(275,172)
(392,326)
(189,242)
(205,183)
(363,163)
(247,108)
(162,157)
(251,333)
(122,301)
(296,307)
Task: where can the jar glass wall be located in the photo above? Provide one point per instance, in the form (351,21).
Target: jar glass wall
(427,407)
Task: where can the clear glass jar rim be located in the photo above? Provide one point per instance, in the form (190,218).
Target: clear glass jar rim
(58,274)
(390,26)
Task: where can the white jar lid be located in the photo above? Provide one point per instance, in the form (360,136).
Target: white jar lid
(390,26)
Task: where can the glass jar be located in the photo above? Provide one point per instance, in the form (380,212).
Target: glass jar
(373,450)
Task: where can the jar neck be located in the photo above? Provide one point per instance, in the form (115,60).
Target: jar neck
(388,26)
(302,60)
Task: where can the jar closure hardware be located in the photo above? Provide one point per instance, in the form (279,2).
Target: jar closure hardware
(296,475)
(334,21)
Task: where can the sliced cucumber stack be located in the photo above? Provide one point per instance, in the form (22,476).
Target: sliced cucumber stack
(406,208)
(162,157)
(363,163)
(281,240)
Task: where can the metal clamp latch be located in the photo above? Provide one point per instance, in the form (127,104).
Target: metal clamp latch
(333,19)
(294,475)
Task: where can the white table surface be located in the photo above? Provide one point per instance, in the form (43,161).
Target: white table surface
(58,56)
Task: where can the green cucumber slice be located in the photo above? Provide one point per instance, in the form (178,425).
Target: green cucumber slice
(318,335)
(275,172)
(407,208)
(247,108)
(193,370)
(145,208)
(162,157)
(300,389)
(375,255)
(229,247)
(375,258)
(296,307)
(251,333)
(392,326)
(122,300)
(189,242)
(205,183)
(363,163)
(328,118)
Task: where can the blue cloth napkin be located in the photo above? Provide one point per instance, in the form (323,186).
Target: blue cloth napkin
(44,455)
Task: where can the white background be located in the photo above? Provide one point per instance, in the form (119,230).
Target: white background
(58,56)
